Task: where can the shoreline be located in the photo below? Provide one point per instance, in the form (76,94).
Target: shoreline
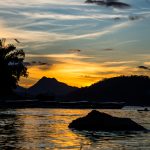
(63,105)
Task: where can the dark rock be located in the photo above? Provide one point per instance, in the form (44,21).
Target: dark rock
(96,120)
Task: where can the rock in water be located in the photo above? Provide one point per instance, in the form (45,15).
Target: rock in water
(96,120)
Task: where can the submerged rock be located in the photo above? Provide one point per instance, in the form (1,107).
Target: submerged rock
(96,120)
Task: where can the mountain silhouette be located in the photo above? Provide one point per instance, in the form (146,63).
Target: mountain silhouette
(21,91)
(134,90)
(50,86)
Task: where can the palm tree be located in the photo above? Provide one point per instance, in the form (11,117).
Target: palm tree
(11,67)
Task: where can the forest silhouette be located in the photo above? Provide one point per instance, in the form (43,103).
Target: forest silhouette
(134,90)
(11,67)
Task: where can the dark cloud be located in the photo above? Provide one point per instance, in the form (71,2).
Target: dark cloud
(27,63)
(109,3)
(41,65)
(17,40)
(90,77)
(118,4)
(117,18)
(144,67)
(100,73)
(74,50)
(132,18)
(108,49)
(35,63)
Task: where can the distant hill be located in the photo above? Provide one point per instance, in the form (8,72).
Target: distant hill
(50,86)
(21,90)
(129,89)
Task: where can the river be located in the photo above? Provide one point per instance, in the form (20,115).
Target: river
(40,129)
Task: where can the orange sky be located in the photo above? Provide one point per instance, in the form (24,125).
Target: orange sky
(78,43)
(77,70)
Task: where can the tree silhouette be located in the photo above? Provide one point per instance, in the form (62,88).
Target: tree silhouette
(133,90)
(11,67)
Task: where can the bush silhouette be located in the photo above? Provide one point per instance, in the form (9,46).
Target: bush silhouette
(11,67)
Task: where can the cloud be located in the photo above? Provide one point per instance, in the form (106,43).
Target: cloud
(29,3)
(130,17)
(126,42)
(27,36)
(108,3)
(144,67)
(76,62)
(118,63)
(59,56)
(74,50)
(56,16)
(105,31)
(74,69)
(39,64)
(108,49)
(147,63)
(118,5)
(46,61)
(117,18)
(36,63)
(133,18)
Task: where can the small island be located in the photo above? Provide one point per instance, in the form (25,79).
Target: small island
(97,121)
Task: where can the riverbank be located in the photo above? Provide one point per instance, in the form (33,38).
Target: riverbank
(54,104)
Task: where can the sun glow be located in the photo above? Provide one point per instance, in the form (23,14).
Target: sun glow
(74,72)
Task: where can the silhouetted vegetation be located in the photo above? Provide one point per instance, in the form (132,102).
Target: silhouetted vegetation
(45,96)
(11,66)
(134,90)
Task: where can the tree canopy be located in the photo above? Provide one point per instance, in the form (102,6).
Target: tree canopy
(133,90)
(11,67)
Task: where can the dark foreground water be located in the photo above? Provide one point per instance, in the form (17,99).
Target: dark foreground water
(42,129)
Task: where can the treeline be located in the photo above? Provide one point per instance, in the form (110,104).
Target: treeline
(134,90)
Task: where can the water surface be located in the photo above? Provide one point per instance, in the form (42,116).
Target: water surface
(39,129)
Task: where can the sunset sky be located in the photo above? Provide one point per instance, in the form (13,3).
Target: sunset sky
(76,42)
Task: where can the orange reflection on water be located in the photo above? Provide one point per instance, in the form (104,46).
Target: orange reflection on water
(41,129)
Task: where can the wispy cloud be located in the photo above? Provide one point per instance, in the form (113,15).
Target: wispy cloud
(147,63)
(126,42)
(32,36)
(57,16)
(54,32)
(17,3)
(119,63)
(72,55)
(100,33)
(79,72)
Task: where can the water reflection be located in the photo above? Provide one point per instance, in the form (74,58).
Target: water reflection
(9,136)
(105,140)
(48,129)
